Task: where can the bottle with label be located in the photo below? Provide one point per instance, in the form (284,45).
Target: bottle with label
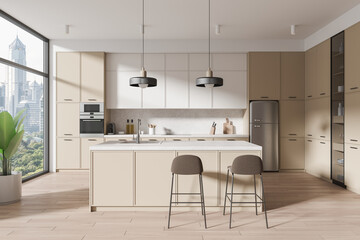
(127,127)
(132,127)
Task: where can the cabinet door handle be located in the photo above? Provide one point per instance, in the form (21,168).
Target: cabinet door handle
(354,148)
(264,97)
(309,140)
(309,135)
(91,99)
(177,140)
(353,140)
(322,142)
(230,139)
(200,140)
(68,140)
(92,140)
(309,96)
(152,140)
(292,140)
(322,136)
(67,99)
(257,126)
(292,134)
(322,94)
(68,134)
(354,88)
(292,97)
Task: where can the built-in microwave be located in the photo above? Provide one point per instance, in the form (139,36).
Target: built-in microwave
(91,119)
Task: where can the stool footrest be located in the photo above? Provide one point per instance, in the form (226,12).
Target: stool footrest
(186,194)
(185,202)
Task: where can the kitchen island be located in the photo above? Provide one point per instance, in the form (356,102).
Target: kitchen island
(130,176)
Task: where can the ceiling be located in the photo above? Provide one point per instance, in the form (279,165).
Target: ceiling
(176,19)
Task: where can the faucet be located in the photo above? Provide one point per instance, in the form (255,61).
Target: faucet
(138,131)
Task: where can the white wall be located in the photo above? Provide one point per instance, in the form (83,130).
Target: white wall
(339,24)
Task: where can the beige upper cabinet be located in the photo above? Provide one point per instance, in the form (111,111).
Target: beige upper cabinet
(264,75)
(323,66)
(352,58)
(352,116)
(292,118)
(292,75)
(310,72)
(92,76)
(67,119)
(317,71)
(68,77)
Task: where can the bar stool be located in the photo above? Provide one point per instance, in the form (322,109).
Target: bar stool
(187,165)
(245,165)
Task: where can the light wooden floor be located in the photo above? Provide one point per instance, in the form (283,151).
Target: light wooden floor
(55,206)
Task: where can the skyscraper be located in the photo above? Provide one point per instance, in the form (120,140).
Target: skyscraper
(16,81)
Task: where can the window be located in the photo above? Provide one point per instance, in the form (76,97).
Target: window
(24,78)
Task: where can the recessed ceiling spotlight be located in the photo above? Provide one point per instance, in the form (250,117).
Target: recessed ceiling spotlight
(292,30)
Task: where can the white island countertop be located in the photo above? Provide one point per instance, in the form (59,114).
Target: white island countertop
(186,146)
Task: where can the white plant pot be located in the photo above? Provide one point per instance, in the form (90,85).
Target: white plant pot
(10,188)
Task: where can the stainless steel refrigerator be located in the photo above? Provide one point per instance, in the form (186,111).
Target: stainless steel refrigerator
(264,131)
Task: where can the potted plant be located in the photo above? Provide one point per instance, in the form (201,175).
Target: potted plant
(11,134)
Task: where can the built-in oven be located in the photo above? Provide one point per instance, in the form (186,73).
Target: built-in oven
(91,119)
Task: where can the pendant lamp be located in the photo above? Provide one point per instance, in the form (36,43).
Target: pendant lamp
(143,81)
(209,80)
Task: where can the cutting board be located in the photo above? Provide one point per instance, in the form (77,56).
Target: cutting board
(228,127)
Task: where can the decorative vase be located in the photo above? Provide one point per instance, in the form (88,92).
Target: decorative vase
(10,186)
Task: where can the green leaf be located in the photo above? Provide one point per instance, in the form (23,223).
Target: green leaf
(14,144)
(20,125)
(17,117)
(7,129)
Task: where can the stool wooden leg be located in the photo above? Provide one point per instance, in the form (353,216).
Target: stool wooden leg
(171,194)
(255,196)
(263,200)
(226,188)
(231,201)
(202,198)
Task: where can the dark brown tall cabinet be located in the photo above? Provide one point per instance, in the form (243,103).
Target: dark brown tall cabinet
(337,109)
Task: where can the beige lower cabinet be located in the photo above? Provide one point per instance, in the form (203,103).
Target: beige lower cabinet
(86,143)
(68,153)
(231,139)
(118,139)
(201,139)
(317,158)
(150,139)
(243,183)
(352,167)
(112,178)
(153,177)
(292,153)
(190,183)
(177,139)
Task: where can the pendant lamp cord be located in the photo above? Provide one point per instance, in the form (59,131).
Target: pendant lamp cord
(209,35)
(143,33)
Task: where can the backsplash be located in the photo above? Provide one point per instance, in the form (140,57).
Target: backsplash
(179,121)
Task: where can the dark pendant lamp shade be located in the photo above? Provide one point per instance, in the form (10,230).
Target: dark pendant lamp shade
(209,80)
(143,82)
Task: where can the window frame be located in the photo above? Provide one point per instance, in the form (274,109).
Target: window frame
(46,76)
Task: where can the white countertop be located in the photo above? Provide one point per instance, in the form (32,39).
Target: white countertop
(177,146)
(178,136)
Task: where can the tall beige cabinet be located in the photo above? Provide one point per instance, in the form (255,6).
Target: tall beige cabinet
(317,110)
(280,76)
(352,108)
(79,78)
